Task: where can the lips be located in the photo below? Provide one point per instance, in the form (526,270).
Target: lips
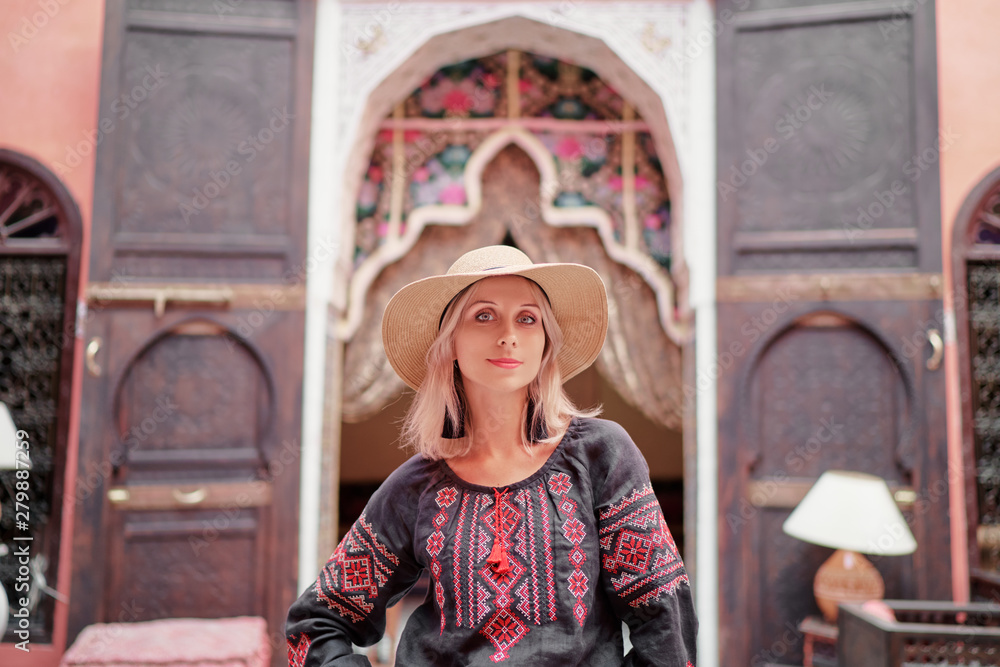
(505,363)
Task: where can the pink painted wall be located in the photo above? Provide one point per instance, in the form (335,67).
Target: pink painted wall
(50,67)
(969,96)
(968,99)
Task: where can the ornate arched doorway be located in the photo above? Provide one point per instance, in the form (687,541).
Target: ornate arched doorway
(40,235)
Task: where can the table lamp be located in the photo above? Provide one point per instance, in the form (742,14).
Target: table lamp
(853,513)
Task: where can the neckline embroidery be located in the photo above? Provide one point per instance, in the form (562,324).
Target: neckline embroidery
(538,474)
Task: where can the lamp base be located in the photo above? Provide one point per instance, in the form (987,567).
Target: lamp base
(846,576)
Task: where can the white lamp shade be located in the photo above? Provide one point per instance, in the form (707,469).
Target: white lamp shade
(852,511)
(8,439)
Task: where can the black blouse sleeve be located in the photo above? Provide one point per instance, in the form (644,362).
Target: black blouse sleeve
(371,568)
(641,569)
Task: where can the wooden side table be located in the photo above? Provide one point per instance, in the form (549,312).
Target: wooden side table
(820,642)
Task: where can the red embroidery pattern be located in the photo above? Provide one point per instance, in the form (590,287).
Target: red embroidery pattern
(575,531)
(550,588)
(502,570)
(297,652)
(457,558)
(524,499)
(638,551)
(445,498)
(359,567)
(505,628)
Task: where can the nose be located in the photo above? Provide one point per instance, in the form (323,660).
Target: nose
(508,336)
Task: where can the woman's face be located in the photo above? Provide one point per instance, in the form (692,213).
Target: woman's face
(500,338)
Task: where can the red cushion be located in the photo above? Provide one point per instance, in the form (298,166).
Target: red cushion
(173,642)
(879,609)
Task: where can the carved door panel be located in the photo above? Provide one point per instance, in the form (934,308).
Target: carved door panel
(192,394)
(829,290)
(189,458)
(190,484)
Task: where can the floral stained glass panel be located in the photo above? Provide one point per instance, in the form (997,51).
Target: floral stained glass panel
(585,126)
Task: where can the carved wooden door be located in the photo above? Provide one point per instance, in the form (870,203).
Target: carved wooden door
(830,316)
(189,456)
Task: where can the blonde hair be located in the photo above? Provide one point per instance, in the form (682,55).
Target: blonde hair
(440,400)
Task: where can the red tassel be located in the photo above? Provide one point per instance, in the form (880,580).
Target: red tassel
(498,558)
(498,555)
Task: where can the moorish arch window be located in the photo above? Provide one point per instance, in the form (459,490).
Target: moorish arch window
(530,150)
(40,230)
(977,268)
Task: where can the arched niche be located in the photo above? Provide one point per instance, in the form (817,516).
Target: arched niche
(196,398)
(866,405)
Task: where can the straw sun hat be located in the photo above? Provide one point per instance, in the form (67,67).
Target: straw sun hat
(576,293)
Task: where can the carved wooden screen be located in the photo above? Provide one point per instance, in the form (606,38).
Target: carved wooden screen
(40,231)
(830,318)
(192,391)
(976,269)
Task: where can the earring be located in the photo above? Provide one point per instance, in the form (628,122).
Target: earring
(448,431)
(540,431)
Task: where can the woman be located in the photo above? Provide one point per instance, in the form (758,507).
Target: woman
(536,521)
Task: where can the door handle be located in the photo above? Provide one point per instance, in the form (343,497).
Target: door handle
(190,497)
(93,347)
(934,338)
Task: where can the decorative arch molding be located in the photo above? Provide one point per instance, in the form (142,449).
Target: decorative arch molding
(396,247)
(203,326)
(394,61)
(817,320)
(975,265)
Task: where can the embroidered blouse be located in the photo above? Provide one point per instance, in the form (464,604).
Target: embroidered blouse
(540,572)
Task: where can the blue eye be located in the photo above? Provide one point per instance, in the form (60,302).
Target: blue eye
(484,316)
(528,319)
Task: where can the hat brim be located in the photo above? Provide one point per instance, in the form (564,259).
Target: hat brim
(576,294)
